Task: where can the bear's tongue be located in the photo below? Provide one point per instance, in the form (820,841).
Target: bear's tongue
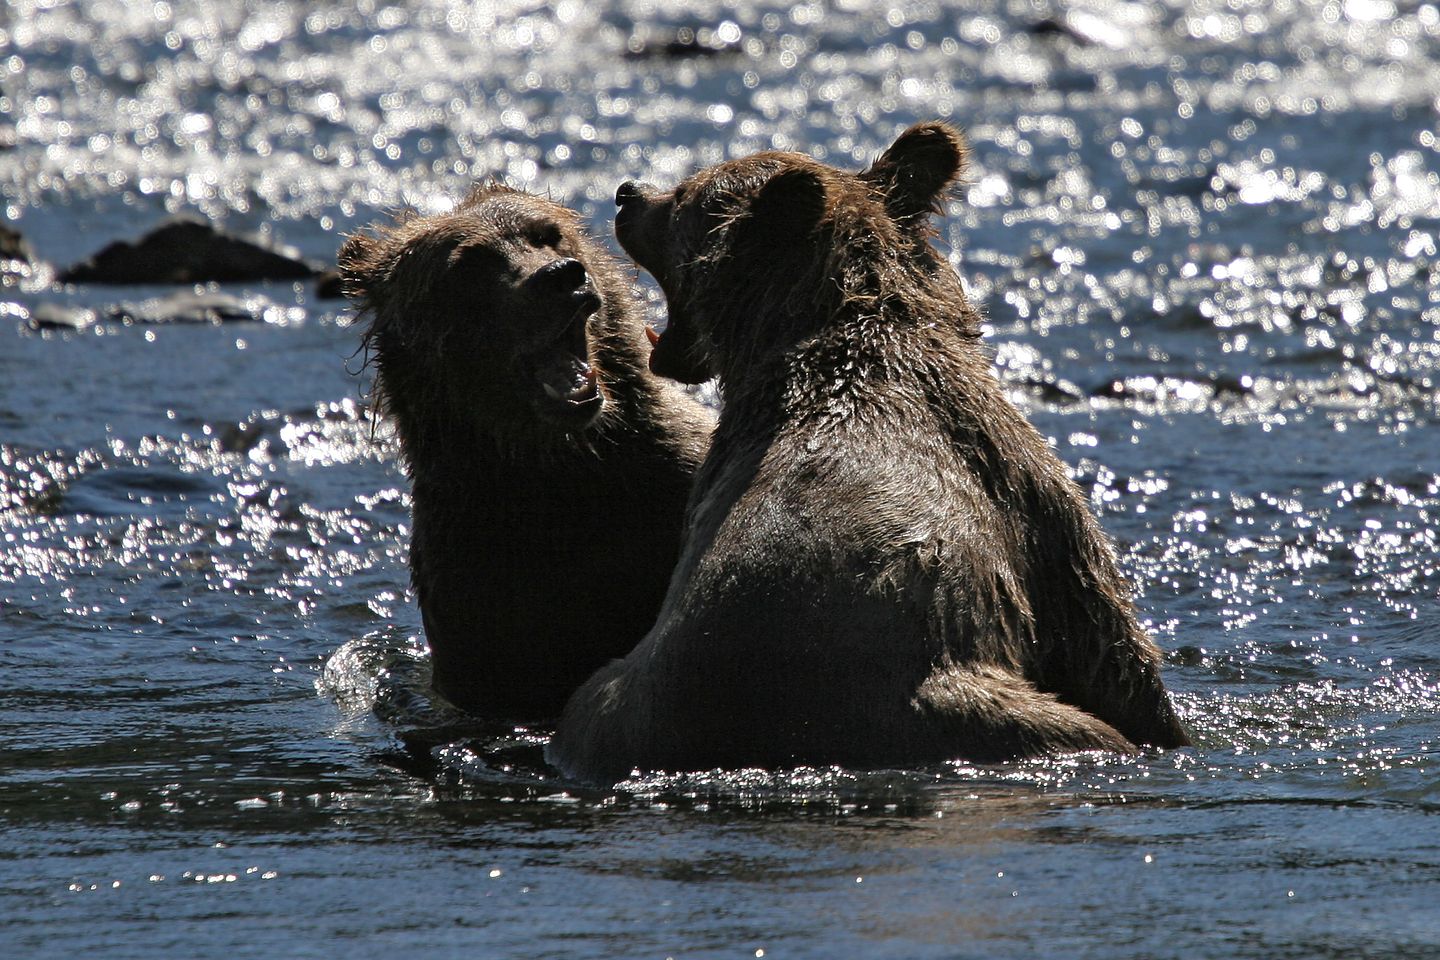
(567,377)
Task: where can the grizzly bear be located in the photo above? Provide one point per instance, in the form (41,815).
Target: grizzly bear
(884,564)
(550,469)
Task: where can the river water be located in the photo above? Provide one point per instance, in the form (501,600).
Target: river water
(1205,237)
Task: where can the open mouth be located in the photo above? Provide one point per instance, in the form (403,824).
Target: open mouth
(675,356)
(566,378)
(569,384)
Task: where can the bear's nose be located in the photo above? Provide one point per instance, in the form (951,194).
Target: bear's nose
(560,276)
(628,192)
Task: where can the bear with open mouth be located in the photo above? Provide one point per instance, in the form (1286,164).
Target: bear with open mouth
(550,468)
(884,563)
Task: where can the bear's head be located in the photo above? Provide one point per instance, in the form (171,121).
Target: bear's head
(483,312)
(783,237)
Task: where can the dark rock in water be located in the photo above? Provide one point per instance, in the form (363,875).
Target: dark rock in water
(1187,184)
(1188,655)
(1116,390)
(183,307)
(1186,316)
(1048,27)
(13,246)
(241,437)
(187,250)
(61,316)
(1053,391)
(1081,28)
(328,286)
(189,307)
(1228,383)
(649,43)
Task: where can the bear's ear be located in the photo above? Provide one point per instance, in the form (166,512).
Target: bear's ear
(918,168)
(358,260)
(789,206)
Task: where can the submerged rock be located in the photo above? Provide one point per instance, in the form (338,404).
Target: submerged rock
(186,306)
(17,259)
(190,307)
(650,43)
(1083,28)
(13,246)
(329,286)
(60,316)
(187,250)
(1052,390)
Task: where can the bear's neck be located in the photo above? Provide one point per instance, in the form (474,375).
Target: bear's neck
(465,473)
(843,359)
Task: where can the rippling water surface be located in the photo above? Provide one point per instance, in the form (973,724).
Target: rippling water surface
(1205,238)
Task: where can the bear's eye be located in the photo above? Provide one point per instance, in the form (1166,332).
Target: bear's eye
(545,235)
(477,262)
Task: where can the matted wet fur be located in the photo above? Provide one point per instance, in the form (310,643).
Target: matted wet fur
(550,468)
(884,563)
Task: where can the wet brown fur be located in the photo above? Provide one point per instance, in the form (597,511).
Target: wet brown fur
(540,548)
(884,563)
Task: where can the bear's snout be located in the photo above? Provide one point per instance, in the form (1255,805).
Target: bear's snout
(560,276)
(634,201)
(640,226)
(563,291)
(629,192)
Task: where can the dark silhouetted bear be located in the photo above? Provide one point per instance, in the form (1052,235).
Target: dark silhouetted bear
(550,468)
(884,563)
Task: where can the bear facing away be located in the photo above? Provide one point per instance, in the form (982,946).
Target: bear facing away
(550,468)
(884,564)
